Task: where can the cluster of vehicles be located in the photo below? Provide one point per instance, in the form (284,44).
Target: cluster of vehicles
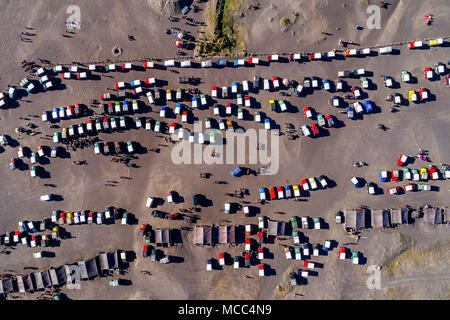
(267,84)
(316,56)
(44,79)
(356,73)
(301,253)
(312,183)
(26,235)
(148,250)
(34,158)
(112,123)
(29,85)
(357,107)
(73,72)
(424,174)
(344,254)
(26,232)
(440,69)
(136,84)
(365,107)
(305,223)
(237,261)
(305,250)
(414,96)
(322,121)
(12,91)
(313,83)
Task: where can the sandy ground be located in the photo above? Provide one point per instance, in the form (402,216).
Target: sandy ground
(83,187)
(401,21)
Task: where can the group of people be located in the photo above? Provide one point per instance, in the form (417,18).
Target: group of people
(29,66)
(26,36)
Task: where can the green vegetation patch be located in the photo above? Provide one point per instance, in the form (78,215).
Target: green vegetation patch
(284,287)
(287,22)
(228,36)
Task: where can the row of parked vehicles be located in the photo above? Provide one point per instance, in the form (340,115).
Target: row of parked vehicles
(292,57)
(156,95)
(155,254)
(439,68)
(423,174)
(428,73)
(152,95)
(389,81)
(372,188)
(356,73)
(111,214)
(106,124)
(117,107)
(414,97)
(111,123)
(306,250)
(295,190)
(366,106)
(106,148)
(344,253)
(408,188)
(270,84)
(419,44)
(305,223)
(66,112)
(99,68)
